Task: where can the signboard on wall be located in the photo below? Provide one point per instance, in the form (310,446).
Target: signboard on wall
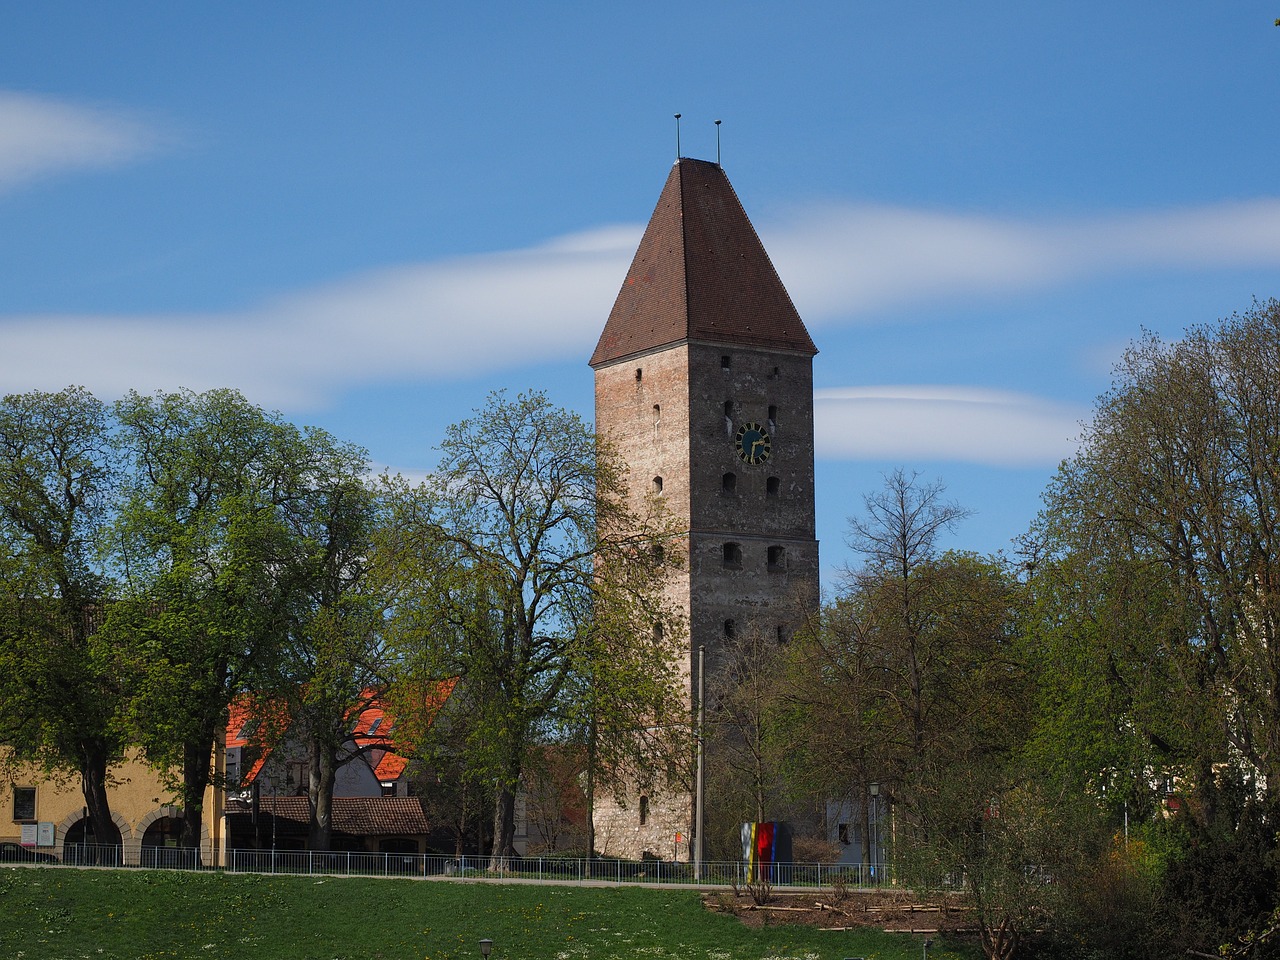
(29,834)
(46,834)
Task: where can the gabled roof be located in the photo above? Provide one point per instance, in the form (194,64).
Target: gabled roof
(700,273)
(356,816)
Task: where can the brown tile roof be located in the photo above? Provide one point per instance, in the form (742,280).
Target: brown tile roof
(355,816)
(700,273)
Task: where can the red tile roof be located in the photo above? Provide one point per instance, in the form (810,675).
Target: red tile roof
(373,730)
(700,273)
(356,816)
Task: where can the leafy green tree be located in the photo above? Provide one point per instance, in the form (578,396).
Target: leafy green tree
(334,665)
(625,710)
(59,698)
(1178,477)
(913,681)
(749,741)
(1158,553)
(505,558)
(210,596)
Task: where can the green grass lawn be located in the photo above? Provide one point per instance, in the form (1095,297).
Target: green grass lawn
(53,912)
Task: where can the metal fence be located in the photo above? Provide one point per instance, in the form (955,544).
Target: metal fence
(716,873)
(364,864)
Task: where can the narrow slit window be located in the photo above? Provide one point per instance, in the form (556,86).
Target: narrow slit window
(729,483)
(772,486)
(777,559)
(657,484)
(732,556)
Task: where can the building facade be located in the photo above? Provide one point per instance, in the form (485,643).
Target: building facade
(704,380)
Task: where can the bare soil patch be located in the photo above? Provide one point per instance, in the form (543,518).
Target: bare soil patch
(892,910)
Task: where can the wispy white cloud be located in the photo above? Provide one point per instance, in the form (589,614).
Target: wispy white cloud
(447,320)
(845,261)
(40,136)
(965,424)
(475,315)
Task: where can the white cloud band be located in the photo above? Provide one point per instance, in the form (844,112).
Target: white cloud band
(965,424)
(40,137)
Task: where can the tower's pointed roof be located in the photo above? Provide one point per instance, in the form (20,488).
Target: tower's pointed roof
(700,273)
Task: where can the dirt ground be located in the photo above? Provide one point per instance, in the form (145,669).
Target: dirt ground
(892,910)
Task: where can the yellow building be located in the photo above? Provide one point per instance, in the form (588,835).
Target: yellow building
(47,815)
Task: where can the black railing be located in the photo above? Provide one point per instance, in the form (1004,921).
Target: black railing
(563,869)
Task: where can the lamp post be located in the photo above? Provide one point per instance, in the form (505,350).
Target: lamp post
(697,811)
(486,947)
(873,827)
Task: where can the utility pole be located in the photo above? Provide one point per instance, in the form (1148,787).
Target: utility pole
(697,803)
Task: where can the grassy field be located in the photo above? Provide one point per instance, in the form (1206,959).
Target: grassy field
(50,913)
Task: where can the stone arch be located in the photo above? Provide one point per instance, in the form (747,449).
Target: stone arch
(101,853)
(71,819)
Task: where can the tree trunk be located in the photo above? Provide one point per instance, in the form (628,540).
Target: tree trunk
(93,784)
(320,792)
(504,830)
(197,760)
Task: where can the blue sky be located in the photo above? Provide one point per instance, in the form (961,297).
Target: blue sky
(369,216)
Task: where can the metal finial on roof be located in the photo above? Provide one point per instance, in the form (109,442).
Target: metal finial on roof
(677,136)
(717,143)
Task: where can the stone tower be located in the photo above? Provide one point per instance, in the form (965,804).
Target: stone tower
(704,380)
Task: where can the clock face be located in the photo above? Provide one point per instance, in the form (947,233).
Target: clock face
(752,443)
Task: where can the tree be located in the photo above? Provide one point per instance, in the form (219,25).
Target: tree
(502,560)
(913,682)
(1178,478)
(749,741)
(1160,550)
(59,698)
(210,558)
(334,666)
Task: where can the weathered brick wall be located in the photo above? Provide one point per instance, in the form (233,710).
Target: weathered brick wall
(666,412)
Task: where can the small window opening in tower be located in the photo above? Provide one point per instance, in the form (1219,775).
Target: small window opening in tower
(772,486)
(732,556)
(728,419)
(729,483)
(658,631)
(777,371)
(724,362)
(782,635)
(730,631)
(657,484)
(639,374)
(773,419)
(644,810)
(658,553)
(657,416)
(777,559)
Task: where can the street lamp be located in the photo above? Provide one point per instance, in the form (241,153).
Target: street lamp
(873,828)
(486,947)
(698,791)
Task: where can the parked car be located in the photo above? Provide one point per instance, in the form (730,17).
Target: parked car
(16,853)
